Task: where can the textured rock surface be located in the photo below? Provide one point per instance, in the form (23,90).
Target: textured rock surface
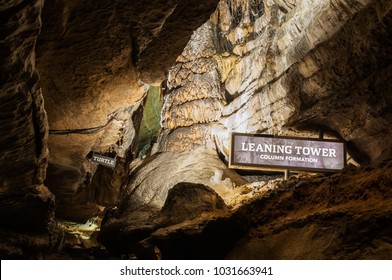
(71,175)
(26,205)
(274,66)
(188,201)
(278,67)
(144,206)
(96,59)
(344,216)
(152,179)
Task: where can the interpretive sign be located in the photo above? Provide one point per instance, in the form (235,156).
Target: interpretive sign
(252,151)
(106,161)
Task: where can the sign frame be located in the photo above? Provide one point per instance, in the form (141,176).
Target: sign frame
(104,158)
(281,168)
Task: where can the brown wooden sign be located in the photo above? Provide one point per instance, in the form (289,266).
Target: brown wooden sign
(253,151)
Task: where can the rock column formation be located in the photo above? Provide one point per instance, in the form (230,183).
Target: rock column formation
(26,205)
(96,59)
(279,66)
(285,67)
(275,67)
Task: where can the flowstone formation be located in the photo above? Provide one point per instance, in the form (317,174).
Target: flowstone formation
(97,59)
(74,80)
(275,67)
(91,61)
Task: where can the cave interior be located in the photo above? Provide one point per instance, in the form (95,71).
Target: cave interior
(116,120)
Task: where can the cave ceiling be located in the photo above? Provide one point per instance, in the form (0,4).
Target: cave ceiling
(76,78)
(96,60)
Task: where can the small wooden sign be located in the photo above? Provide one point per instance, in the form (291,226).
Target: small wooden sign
(267,152)
(103,160)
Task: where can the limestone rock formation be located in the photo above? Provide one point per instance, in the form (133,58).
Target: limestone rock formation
(145,206)
(188,201)
(96,60)
(276,67)
(26,205)
(279,66)
(341,216)
(344,216)
(283,67)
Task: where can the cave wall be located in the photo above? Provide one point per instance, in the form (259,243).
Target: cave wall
(26,204)
(96,60)
(91,62)
(284,67)
(275,67)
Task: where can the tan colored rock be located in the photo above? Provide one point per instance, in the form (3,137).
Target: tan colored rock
(145,206)
(26,205)
(277,67)
(326,217)
(148,187)
(274,66)
(96,60)
(277,59)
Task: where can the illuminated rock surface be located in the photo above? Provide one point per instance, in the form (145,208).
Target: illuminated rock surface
(344,216)
(268,67)
(74,77)
(96,59)
(93,58)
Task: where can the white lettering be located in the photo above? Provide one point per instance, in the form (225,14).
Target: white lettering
(271,157)
(102,160)
(306,151)
(243,148)
(259,148)
(302,159)
(315,151)
(268,148)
